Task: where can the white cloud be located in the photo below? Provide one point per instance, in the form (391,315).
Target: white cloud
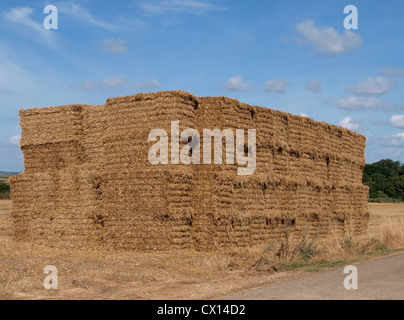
(350,124)
(107,82)
(87,85)
(179,6)
(394,140)
(397,121)
(22,16)
(236,84)
(113,45)
(395,153)
(377,85)
(83,15)
(327,40)
(391,71)
(276,85)
(147,84)
(360,103)
(114,82)
(302,114)
(15,140)
(314,86)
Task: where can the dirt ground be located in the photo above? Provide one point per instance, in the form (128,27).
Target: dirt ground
(125,275)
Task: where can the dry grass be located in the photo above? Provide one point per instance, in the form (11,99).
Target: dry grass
(388,223)
(174,275)
(379,210)
(5,207)
(385,233)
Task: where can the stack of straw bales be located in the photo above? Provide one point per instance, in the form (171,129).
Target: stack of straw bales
(88,181)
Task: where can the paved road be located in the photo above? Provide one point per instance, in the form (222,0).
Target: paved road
(381,279)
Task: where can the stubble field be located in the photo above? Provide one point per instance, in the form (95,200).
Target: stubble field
(174,275)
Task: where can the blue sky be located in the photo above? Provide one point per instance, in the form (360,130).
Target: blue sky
(293,56)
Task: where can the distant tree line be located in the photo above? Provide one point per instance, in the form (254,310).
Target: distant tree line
(385,179)
(4,190)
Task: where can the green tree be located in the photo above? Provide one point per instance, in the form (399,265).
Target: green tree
(395,187)
(4,187)
(384,179)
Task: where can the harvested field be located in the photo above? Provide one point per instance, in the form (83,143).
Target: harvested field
(391,210)
(5,207)
(385,212)
(6,225)
(124,275)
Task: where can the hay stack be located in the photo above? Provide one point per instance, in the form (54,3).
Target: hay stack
(88,181)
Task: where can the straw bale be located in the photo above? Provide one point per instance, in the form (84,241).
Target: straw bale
(88,182)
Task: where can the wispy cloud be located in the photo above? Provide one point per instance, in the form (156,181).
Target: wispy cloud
(377,85)
(15,140)
(108,82)
(86,85)
(236,83)
(194,7)
(397,121)
(314,86)
(397,153)
(394,140)
(112,45)
(22,16)
(152,83)
(82,14)
(276,85)
(114,82)
(327,40)
(355,103)
(351,124)
(391,71)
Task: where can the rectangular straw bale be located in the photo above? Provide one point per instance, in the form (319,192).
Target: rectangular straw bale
(88,181)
